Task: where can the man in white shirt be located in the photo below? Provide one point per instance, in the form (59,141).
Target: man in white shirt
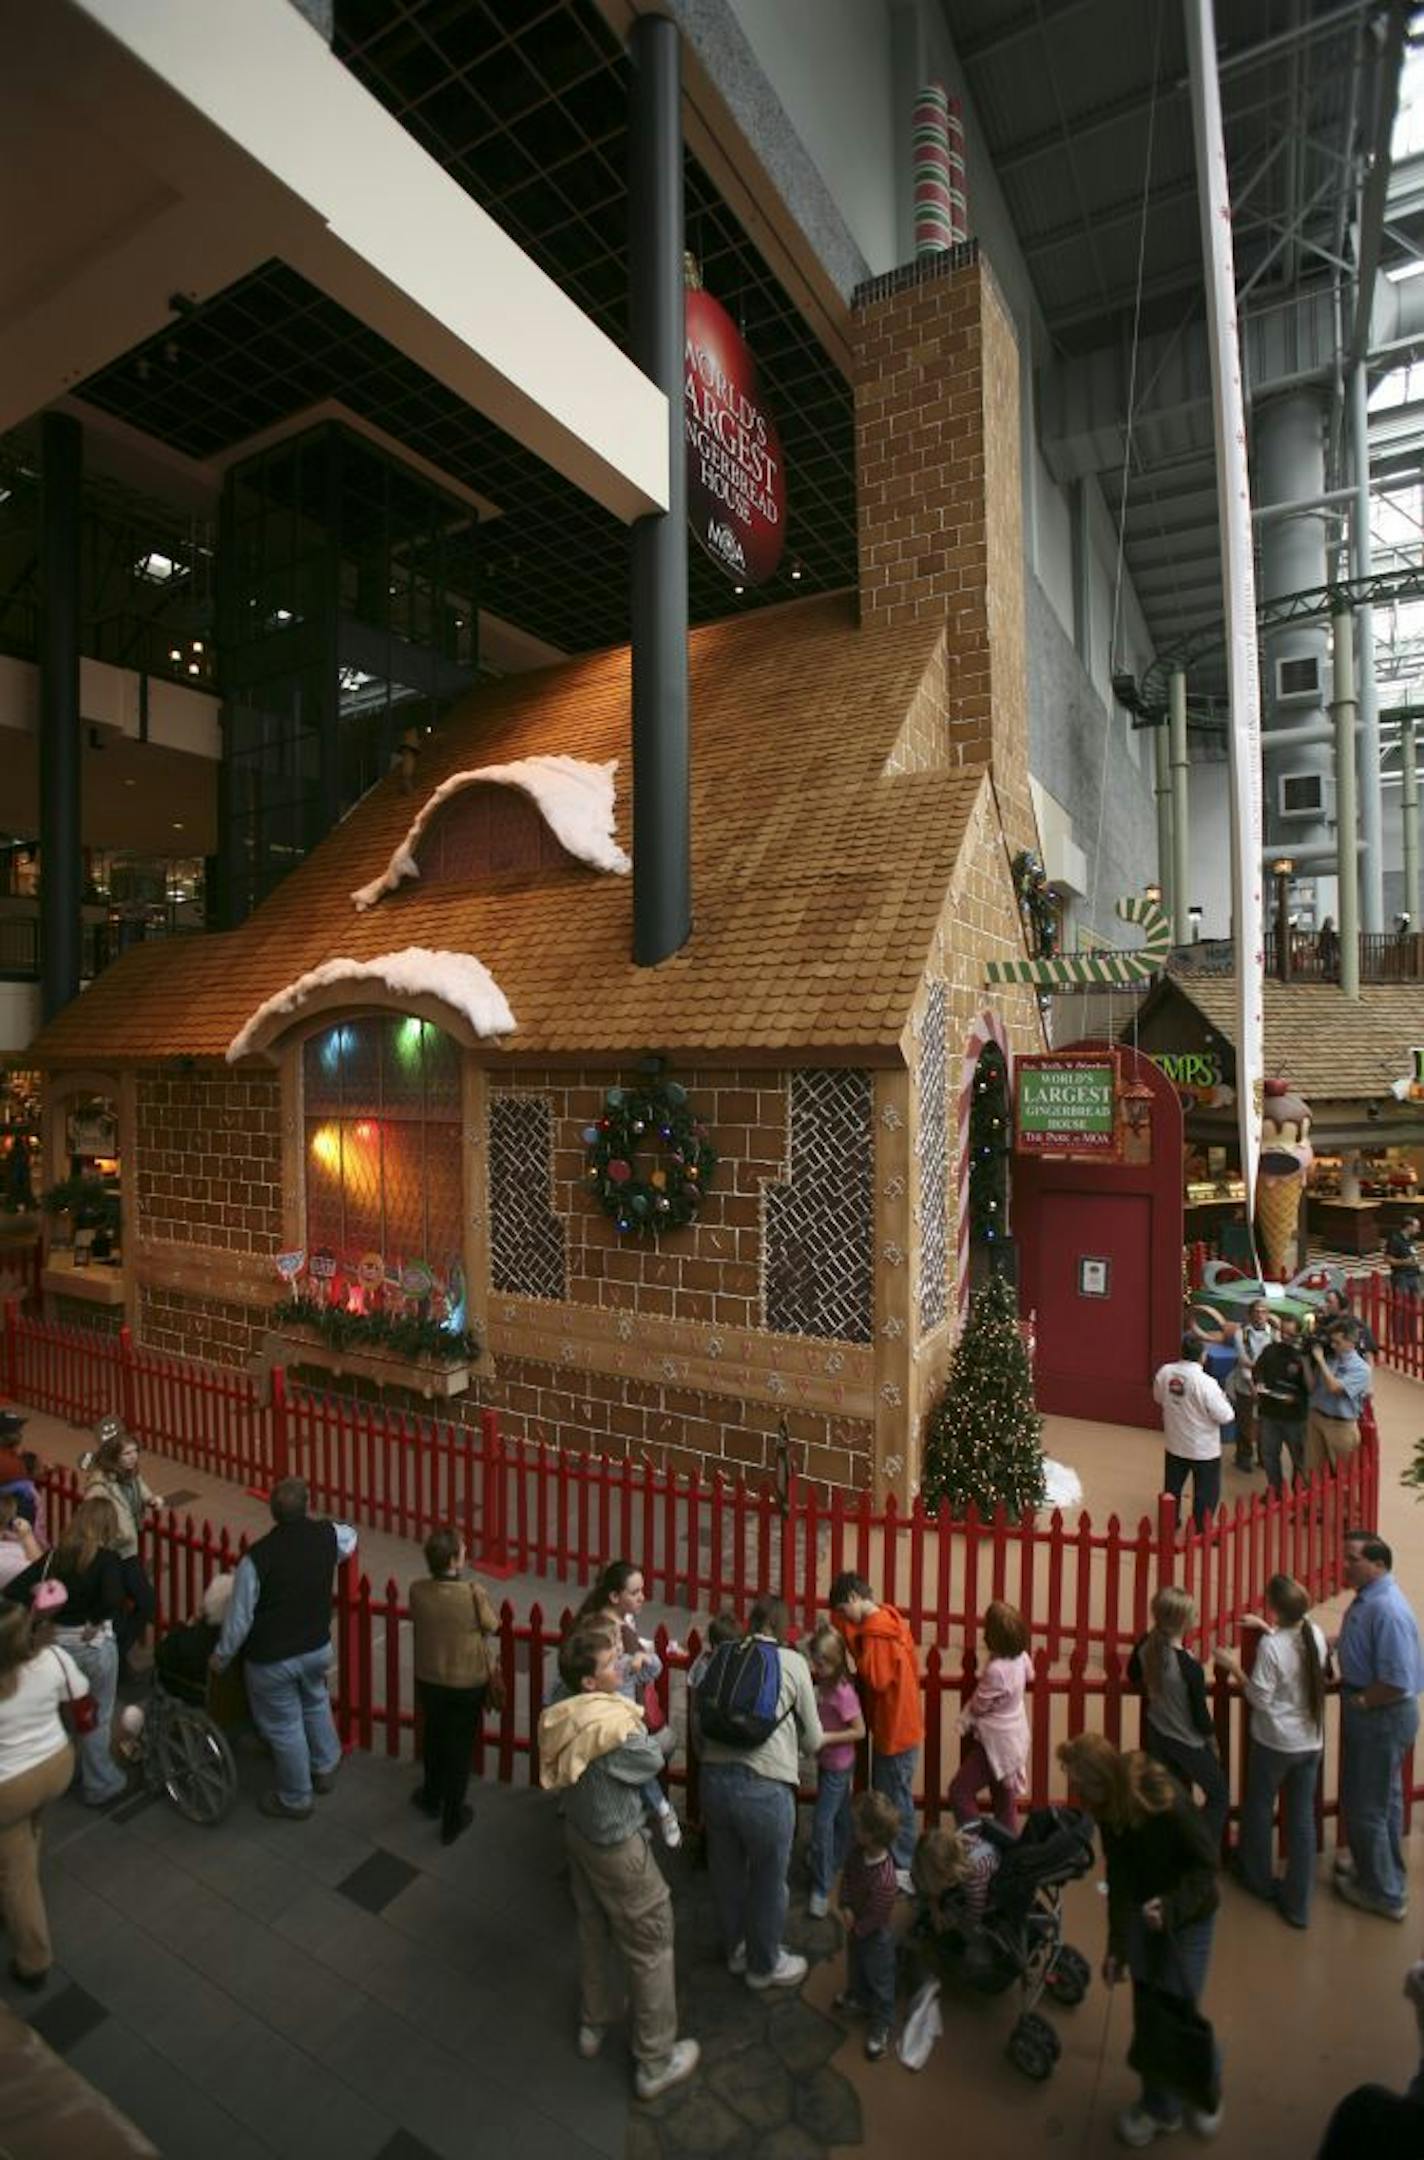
(1194,1409)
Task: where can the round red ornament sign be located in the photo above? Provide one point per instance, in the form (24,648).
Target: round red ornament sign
(736,475)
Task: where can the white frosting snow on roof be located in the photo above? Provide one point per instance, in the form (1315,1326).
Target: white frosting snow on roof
(574,796)
(457,979)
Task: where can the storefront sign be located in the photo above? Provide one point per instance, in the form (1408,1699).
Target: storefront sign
(1192,1070)
(736,475)
(1067,1105)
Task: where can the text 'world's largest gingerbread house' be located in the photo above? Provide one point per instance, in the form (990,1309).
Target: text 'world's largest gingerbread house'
(415,1075)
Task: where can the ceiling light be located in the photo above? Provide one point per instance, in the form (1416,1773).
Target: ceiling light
(177,824)
(194,668)
(739,588)
(174,653)
(796,573)
(197,644)
(158,568)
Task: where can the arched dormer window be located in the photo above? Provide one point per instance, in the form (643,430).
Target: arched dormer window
(487,831)
(382,1148)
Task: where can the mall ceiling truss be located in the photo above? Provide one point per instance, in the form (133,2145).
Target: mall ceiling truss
(525,106)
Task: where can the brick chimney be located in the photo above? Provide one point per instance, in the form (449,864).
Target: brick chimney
(939,498)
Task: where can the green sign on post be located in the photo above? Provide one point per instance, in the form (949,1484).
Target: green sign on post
(1067,1105)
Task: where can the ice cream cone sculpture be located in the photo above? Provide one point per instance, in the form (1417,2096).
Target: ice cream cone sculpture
(1286,1157)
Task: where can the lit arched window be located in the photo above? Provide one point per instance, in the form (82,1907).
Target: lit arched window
(381,1100)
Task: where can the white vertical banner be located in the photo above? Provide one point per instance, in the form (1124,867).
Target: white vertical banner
(1233,490)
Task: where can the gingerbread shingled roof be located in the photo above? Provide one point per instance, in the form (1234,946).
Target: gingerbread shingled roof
(1330,1047)
(817,881)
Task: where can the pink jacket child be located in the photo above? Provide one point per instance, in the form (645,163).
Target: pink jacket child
(995,1722)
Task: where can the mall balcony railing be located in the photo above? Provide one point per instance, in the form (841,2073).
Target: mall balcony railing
(100,944)
(1385,957)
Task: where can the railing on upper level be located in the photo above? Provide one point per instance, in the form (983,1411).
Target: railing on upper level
(1384,957)
(100,944)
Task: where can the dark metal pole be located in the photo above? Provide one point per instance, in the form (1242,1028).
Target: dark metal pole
(62,470)
(662,866)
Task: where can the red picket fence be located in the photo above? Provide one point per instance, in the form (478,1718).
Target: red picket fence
(374,1695)
(527,1509)
(1397,1323)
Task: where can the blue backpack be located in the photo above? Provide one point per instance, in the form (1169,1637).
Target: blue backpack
(738,1694)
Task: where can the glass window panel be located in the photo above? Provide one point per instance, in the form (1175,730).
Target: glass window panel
(361,1068)
(362,1142)
(442,1073)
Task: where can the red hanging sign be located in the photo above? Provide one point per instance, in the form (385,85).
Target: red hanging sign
(736,474)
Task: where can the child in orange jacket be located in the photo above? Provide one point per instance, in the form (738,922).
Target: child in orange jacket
(887,1663)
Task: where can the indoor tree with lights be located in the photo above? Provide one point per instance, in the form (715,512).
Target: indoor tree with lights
(983,1441)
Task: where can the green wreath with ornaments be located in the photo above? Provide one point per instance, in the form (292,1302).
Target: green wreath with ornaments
(650,1162)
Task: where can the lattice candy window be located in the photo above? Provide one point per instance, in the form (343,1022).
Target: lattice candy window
(381,1100)
(526,1237)
(819,1243)
(932,1147)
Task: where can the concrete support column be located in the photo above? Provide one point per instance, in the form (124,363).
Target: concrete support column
(1362,563)
(1409,816)
(62,469)
(662,868)
(1290,477)
(1162,787)
(1347,868)
(1181,783)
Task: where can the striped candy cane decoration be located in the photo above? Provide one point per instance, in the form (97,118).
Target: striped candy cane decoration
(958,184)
(1084,971)
(933,191)
(988,1028)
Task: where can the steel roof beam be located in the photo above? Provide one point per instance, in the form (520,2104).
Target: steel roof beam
(1125,212)
(1376,189)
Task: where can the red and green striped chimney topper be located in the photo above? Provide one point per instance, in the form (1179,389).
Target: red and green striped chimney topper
(937,144)
(1089,971)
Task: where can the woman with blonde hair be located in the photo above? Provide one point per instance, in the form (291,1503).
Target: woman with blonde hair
(37,1678)
(1177,1728)
(1162,1900)
(85,1563)
(1286,1691)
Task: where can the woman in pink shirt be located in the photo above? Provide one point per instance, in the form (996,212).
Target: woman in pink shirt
(843,1726)
(996,1723)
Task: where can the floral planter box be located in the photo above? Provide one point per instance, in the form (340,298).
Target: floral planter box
(427,1376)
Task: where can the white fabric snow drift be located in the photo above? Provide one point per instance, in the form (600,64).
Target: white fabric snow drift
(457,979)
(575,798)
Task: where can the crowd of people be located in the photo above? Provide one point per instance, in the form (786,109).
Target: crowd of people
(766,1717)
(1297,1400)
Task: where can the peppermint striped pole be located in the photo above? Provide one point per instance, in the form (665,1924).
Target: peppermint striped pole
(932,172)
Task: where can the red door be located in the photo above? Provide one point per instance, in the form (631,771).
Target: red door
(1094,1278)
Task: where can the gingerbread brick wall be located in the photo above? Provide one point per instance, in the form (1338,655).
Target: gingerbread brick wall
(709,1271)
(678,1429)
(208,1159)
(210,1329)
(939,498)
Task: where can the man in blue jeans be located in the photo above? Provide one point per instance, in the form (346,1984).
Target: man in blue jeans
(280,1614)
(1381,1674)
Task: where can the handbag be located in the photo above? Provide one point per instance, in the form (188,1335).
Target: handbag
(1173,2045)
(494,1669)
(79,1713)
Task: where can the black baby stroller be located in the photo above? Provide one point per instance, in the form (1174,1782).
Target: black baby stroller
(1020,1936)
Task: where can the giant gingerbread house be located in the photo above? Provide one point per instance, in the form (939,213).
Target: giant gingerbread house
(428,1078)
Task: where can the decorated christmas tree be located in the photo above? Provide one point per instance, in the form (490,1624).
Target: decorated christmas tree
(983,1442)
